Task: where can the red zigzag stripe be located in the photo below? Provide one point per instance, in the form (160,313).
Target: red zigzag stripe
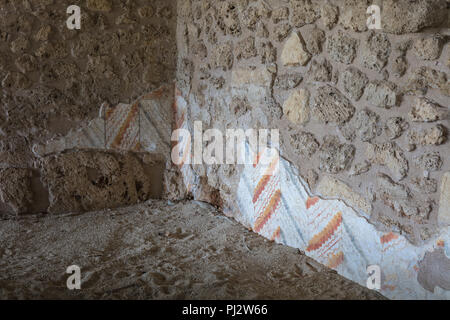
(270,209)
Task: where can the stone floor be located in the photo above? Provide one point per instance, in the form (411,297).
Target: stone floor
(158,250)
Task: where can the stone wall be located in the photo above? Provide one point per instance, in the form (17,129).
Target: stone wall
(363,118)
(54,80)
(363,114)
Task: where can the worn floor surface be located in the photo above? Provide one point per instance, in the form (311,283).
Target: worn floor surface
(158,251)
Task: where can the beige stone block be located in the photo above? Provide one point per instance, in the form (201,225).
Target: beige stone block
(256,76)
(294,51)
(296,107)
(333,188)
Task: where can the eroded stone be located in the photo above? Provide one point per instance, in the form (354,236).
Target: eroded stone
(15,189)
(382,94)
(99,5)
(329,15)
(314,39)
(395,126)
(331,106)
(296,107)
(294,51)
(425,110)
(424,185)
(430,161)
(87,181)
(288,81)
(223,57)
(364,125)
(335,157)
(354,82)
(390,155)
(331,187)
(429,48)
(403,16)
(435,135)
(375,51)
(341,47)
(303,12)
(304,143)
(320,70)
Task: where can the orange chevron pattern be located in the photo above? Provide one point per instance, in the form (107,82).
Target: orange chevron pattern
(276,234)
(388,238)
(311,202)
(264,180)
(268,211)
(335,260)
(260,187)
(257,158)
(124,128)
(319,239)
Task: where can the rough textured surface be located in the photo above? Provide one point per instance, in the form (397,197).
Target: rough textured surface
(331,106)
(84,181)
(425,110)
(381,94)
(435,271)
(296,108)
(70,73)
(294,52)
(231,73)
(444,210)
(341,47)
(405,16)
(390,155)
(158,251)
(15,189)
(330,187)
(354,82)
(367,88)
(53,80)
(335,157)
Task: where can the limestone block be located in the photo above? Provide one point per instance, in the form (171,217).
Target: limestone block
(382,94)
(294,51)
(425,110)
(331,106)
(390,155)
(403,16)
(435,135)
(333,188)
(296,107)
(241,77)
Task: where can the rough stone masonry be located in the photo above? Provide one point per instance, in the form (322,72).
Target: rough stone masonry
(363,114)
